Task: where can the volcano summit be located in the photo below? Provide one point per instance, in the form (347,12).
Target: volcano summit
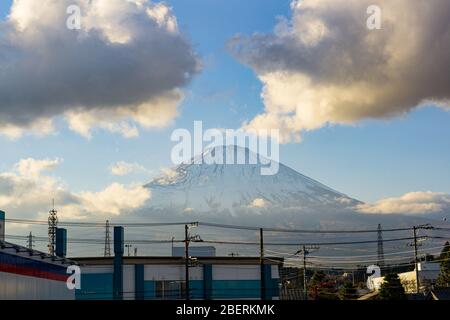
(192,187)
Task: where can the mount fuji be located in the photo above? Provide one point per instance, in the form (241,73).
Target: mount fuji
(193,187)
(238,194)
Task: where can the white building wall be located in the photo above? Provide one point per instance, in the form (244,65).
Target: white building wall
(236,272)
(171,272)
(19,287)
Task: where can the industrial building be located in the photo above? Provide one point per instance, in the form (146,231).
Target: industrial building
(144,278)
(209,277)
(27,274)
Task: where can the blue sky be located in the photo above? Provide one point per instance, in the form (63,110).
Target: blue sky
(370,160)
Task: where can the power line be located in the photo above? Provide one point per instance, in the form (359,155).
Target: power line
(227,226)
(198,240)
(306,243)
(93,224)
(215,225)
(93,241)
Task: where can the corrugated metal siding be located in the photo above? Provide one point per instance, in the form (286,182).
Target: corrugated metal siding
(26,278)
(18,287)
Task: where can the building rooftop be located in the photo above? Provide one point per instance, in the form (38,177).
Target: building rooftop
(24,252)
(177,260)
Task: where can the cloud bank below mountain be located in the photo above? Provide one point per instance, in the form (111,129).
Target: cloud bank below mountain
(413,203)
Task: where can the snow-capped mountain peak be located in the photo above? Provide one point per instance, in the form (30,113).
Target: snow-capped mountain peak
(204,187)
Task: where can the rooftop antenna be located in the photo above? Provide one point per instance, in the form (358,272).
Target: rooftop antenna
(107,252)
(52,224)
(128,246)
(380,247)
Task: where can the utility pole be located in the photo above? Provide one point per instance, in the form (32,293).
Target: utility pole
(107,252)
(416,244)
(261,260)
(305,287)
(186,259)
(305,251)
(380,251)
(416,259)
(30,241)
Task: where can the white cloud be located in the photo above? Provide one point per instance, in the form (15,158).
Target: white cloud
(31,168)
(123,168)
(259,203)
(325,66)
(113,199)
(123,70)
(410,203)
(27,190)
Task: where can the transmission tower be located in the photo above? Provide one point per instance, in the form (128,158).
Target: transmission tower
(30,241)
(52,224)
(380,247)
(107,240)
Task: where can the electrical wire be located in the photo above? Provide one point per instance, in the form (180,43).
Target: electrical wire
(215,225)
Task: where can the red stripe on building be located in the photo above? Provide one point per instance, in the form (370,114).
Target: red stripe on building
(24,271)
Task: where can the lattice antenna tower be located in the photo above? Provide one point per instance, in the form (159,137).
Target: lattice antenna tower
(107,252)
(52,225)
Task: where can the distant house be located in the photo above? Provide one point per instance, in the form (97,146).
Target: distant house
(428,274)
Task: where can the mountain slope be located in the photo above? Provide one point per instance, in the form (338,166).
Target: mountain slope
(218,187)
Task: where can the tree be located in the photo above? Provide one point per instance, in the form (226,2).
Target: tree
(348,291)
(444,276)
(321,288)
(391,288)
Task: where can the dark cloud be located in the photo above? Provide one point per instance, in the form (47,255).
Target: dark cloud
(126,57)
